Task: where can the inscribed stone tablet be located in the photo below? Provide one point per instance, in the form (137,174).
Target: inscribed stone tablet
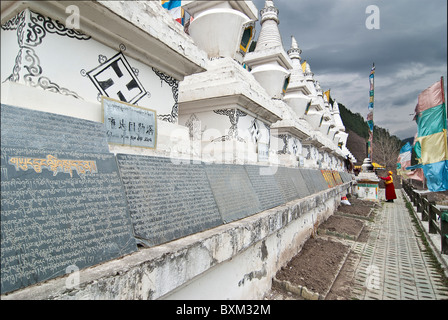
(265,187)
(326,176)
(329,178)
(233,191)
(318,180)
(308,177)
(263,152)
(346,177)
(60,211)
(286,184)
(337,177)
(321,183)
(167,200)
(25,128)
(349,177)
(299,182)
(128,124)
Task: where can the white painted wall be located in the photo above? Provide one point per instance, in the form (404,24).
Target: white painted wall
(60,63)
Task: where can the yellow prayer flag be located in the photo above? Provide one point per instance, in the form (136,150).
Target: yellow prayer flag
(434,147)
(304,66)
(327,94)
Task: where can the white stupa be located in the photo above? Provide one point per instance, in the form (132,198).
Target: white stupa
(296,95)
(219,26)
(269,62)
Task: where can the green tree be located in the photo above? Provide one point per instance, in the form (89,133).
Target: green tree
(385,147)
(353,121)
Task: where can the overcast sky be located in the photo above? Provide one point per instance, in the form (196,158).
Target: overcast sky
(409,51)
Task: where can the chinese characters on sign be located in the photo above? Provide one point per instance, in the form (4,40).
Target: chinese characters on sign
(128,124)
(263,152)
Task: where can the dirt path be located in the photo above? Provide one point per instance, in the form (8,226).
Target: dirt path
(318,266)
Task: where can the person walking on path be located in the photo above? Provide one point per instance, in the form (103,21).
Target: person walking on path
(390,188)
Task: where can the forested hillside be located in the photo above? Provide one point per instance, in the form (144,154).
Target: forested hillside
(386,147)
(354,122)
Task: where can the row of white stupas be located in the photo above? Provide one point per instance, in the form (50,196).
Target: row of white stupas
(303,129)
(215,100)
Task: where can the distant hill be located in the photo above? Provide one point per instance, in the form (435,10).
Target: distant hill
(357,146)
(358,130)
(353,121)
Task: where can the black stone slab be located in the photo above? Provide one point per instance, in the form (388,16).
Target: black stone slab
(233,191)
(27,128)
(346,177)
(167,200)
(59,211)
(321,183)
(310,177)
(265,186)
(285,182)
(299,182)
(319,179)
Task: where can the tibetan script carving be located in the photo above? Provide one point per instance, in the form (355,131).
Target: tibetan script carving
(233,191)
(54,165)
(167,200)
(26,128)
(52,222)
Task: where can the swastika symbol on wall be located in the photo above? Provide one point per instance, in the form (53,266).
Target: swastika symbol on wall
(115,79)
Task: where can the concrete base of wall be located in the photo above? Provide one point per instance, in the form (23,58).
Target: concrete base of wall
(233,261)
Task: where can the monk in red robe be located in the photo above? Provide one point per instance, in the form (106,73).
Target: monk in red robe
(390,188)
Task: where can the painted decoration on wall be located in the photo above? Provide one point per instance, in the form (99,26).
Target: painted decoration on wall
(234,115)
(32,28)
(194,127)
(285,139)
(41,52)
(115,79)
(174,85)
(255,131)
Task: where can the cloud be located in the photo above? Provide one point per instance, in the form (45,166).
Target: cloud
(409,51)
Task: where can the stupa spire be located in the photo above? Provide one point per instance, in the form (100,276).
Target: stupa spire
(269,62)
(269,35)
(295,51)
(297,72)
(296,94)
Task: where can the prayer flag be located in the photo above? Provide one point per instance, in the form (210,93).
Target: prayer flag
(433,147)
(431,97)
(416,174)
(175,9)
(327,94)
(370,113)
(431,143)
(404,159)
